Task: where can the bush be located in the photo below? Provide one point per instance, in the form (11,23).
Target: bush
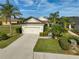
(75,31)
(64,44)
(44,34)
(65,30)
(57,30)
(3,36)
(19,30)
(45,27)
(75,38)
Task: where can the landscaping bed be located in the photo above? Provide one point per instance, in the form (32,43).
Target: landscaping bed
(7,39)
(61,45)
(5,43)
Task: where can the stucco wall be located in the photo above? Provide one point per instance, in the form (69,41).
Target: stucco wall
(39,55)
(4,23)
(8,23)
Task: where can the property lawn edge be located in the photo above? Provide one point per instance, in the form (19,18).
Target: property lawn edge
(5,43)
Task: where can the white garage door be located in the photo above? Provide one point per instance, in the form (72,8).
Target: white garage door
(36,29)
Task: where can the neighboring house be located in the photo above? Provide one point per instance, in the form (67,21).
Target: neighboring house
(34,25)
(75,22)
(14,21)
(76,26)
(43,19)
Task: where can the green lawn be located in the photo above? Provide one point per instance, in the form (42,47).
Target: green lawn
(52,45)
(14,36)
(5,29)
(48,45)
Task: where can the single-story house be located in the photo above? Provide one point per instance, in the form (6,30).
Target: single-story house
(14,21)
(34,25)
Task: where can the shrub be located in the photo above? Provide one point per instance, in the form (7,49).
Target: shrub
(65,30)
(44,33)
(64,44)
(75,31)
(75,38)
(57,30)
(3,36)
(45,27)
(19,30)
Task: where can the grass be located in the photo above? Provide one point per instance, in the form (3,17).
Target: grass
(5,43)
(49,45)
(14,36)
(5,29)
(66,34)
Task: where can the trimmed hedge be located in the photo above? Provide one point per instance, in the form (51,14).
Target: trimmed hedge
(64,44)
(19,30)
(44,34)
(3,36)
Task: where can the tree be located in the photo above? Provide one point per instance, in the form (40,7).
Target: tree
(22,19)
(56,30)
(65,21)
(53,17)
(68,22)
(8,11)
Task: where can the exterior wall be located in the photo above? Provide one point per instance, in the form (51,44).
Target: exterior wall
(39,55)
(14,22)
(4,23)
(32,28)
(8,23)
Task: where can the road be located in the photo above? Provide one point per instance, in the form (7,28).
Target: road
(22,48)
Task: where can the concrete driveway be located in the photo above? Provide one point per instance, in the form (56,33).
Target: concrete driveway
(22,48)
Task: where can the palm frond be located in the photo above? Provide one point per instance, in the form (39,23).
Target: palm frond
(9,10)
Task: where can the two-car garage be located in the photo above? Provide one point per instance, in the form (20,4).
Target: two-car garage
(32,28)
(33,25)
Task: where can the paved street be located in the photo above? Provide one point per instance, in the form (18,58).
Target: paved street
(22,48)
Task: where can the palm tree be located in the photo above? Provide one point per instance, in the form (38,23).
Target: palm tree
(8,11)
(53,17)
